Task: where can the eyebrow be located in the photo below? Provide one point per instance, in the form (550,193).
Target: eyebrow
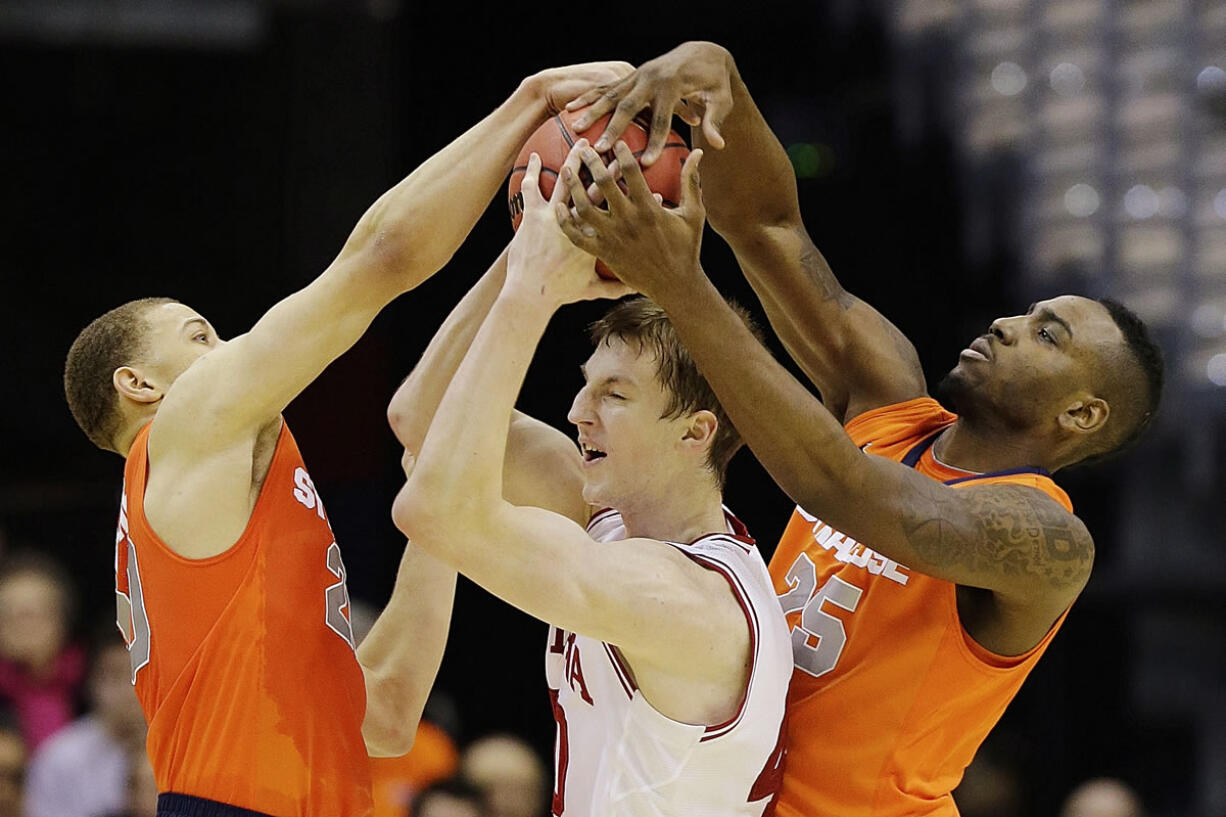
(607,380)
(1046,314)
(200,321)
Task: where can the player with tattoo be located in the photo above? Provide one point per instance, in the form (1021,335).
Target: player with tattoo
(931,558)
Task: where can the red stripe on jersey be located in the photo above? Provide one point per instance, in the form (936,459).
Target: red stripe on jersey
(620,669)
(751,616)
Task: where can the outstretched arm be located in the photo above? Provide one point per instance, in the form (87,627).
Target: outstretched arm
(405,236)
(855,357)
(542,463)
(1010,539)
(641,595)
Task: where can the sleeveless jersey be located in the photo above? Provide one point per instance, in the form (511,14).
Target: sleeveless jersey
(618,757)
(890,696)
(243,662)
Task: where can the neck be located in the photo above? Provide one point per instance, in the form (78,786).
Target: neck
(122,441)
(674,515)
(969,447)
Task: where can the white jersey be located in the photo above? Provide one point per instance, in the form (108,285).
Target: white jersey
(617,756)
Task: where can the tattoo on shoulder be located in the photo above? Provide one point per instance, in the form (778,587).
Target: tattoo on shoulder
(1008,530)
(812,262)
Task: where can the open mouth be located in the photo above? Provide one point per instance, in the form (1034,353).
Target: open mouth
(590,453)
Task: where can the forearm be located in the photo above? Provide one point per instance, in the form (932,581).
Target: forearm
(749,184)
(401,655)
(461,461)
(415,227)
(800,443)
(414,404)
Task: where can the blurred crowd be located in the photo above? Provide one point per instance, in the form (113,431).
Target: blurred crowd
(72,733)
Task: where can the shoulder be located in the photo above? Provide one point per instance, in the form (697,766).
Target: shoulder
(1051,543)
(898,422)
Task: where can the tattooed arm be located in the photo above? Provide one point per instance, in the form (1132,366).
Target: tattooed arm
(855,357)
(1012,540)
(1009,539)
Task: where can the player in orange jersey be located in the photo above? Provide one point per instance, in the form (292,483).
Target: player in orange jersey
(931,557)
(230,585)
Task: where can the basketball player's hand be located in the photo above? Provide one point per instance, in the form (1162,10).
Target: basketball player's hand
(557,86)
(691,81)
(542,264)
(646,245)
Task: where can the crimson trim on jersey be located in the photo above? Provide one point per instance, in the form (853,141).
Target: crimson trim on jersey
(620,669)
(751,615)
(600,516)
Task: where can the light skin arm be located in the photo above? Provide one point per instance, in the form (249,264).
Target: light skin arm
(405,236)
(644,596)
(542,464)
(401,655)
(1009,539)
(855,357)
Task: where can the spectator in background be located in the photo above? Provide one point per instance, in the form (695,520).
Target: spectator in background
(509,773)
(450,798)
(12,771)
(40,672)
(1103,797)
(85,769)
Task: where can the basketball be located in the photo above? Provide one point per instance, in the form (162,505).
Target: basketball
(553,140)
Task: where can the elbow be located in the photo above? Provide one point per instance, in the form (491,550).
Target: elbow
(403,422)
(438,515)
(393,711)
(415,512)
(386,740)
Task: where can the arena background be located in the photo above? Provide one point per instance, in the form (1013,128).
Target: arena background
(956,161)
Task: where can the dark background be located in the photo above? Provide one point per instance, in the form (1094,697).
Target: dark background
(227,174)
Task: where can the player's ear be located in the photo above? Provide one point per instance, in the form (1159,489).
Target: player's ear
(132,384)
(700,428)
(1085,415)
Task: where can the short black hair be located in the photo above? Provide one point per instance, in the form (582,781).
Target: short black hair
(1147,355)
(110,341)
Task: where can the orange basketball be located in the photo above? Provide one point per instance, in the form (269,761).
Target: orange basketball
(554,139)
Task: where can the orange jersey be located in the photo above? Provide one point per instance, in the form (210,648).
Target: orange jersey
(243,662)
(890,697)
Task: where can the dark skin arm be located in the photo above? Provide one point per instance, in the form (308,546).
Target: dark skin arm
(1031,554)
(856,357)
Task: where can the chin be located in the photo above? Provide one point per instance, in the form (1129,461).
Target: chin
(954,393)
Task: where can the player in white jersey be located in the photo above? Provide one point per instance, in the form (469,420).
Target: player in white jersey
(668,663)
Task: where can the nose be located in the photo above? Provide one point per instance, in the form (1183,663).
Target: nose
(580,408)
(1005,330)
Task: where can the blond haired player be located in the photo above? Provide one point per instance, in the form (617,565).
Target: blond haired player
(931,558)
(667,660)
(231,588)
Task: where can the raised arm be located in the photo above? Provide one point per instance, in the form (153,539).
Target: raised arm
(855,357)
(542,463)
(1009,539)
(405,236)
(641,595)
